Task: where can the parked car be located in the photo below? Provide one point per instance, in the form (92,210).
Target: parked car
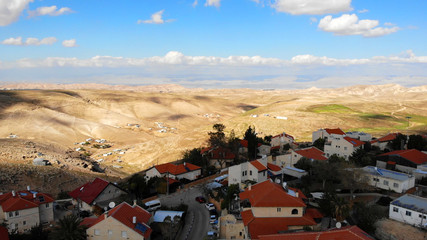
(213,219)
(211,235)
(200,199)
(210,206)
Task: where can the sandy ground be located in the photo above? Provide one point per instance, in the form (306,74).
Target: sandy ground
(396,230)
(66,117)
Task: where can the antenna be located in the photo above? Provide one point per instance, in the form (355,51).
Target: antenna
(111,205)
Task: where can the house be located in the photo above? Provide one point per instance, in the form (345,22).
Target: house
(389,180)
(219,157)
(231,228)
(122,222)
(96,193)
(342,146)
(311,153)
(273,169)
(182,171)
(345,233)
(255,171)
(243,146)
(4,235)
(281,140)
(326,133)
(365,137)
(402,160)
(23,210)
(264,150)
(409,209)
(383,142)
(268,208)
(294,172)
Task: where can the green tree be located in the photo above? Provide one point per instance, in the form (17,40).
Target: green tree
(417,142)
(232,191)
(319,143)
(304,164)
(399,142)
(267,139)
(361,158)
(217,138)
(367,216)
(250,136)
(69,228)
(332,205)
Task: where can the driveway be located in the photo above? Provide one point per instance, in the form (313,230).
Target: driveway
(197,219)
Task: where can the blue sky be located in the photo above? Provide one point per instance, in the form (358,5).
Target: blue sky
(214,43)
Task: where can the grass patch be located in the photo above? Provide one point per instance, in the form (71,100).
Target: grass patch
(375,116)
(331,108)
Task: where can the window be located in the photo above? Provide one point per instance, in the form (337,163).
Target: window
(408,213)
(345,148)
(240,233)
(16,225)
(124,234)
(243,174)
(110,232)
(250,172)
(25,222)
(10,214)
(396,185)
(263,173)
(279,209)
(97,232)
(47,205)
(16,213)
(395,209)
(385,182)
(294,211)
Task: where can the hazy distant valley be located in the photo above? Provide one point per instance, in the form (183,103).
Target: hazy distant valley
(155,124)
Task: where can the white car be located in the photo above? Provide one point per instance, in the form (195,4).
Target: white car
(210,206)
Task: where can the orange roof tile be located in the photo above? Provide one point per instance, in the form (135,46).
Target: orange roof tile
(89,191)
(346,233)
(269,194)
(354,142)
(284,135)
(273,167)
(258,165)
(23,200)
(337,131)
(247,217)
(124,213)
(176,169)
(313,212)
(244,143)
(312,153)
(412,155)
(388,137)
(273,225)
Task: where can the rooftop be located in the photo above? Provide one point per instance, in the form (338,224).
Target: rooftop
(258,165)
(312,153)
(23,200)
(337,131)
(412,202)
(89,191)
(412,155)
(386,173)
(354,142)
(176,169)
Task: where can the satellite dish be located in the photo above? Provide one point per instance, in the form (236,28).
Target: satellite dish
(338,225)
(278,181)
(111,205)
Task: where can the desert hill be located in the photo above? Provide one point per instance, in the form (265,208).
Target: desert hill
(155,124)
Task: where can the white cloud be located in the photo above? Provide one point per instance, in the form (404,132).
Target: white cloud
(69,43)
(215,3)
(10,10)
(312,7)
(51,11)
(156,18)
(389,24)
(29,42)
(351,25)
(363,11)
(195,3)
(313,20)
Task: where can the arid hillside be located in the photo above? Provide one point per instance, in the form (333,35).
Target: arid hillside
(150,125)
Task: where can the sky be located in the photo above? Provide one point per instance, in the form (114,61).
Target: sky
(280,44)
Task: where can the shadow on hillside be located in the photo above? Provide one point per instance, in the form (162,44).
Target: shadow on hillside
(246,107)
(10,98)
(177,117)
(69,93)
(203,98)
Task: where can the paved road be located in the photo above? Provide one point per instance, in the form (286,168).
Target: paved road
(197,219)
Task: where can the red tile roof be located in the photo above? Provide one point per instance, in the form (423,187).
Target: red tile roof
(337,131)
(222,153)
(354,142)
(284,135)
(23,200)
(244,143)
(388,137)
(4,235)
(313,212)
(258,165)
(412,155)
(206,149)
(171,180)
(176,169)
(88,192)
(272,225)
(124,213)
(273,167)
(312,153)
(346,233)
(269,194)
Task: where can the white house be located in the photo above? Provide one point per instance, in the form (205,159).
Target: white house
(182,171)
(23,210)
(409,209)
(248,171)
(282,139)
(326,133)
(342,146)
(389,180)
(96,193)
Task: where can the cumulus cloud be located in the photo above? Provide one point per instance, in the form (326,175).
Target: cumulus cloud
(156,18)
(51,11)
(195,3)
(312,7)
(351,25)
(215,3)
(69,43)
(29,42)
(363,11)
(10,10)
